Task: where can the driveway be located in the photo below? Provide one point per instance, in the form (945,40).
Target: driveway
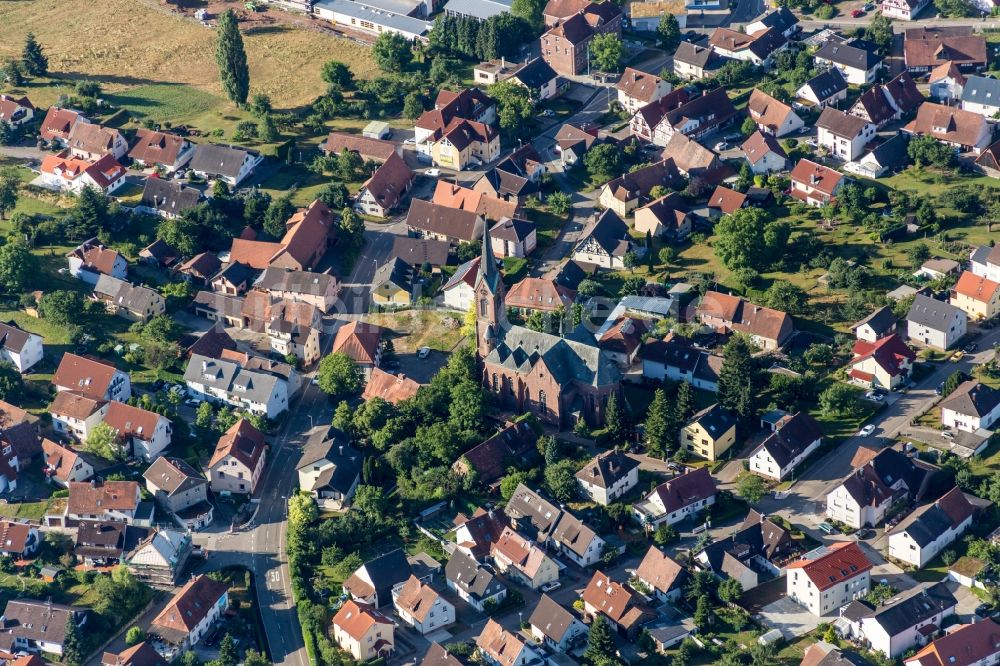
(790,618)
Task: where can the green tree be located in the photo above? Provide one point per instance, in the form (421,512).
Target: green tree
(600,642)
(839,400)
(13,74)
(785,296)
(338,375)
(392,52)
(751,488)
(254,658)
(956,8)
(11,383)
(952,382)
(661,425)
(669,32)
(413,105)
(277,214)
(204,415)
(352,228)
(467,407)
(102,441)
(879,32)
(737,379)
(615,420)
(606,52)
(231,58)
(134,636)
(8,135)
(228,656)
(560,481)
(8,194)
(260,105)
(334,195)
(702,613)
(750,238)
(72,644)
(667,255)
(90,213)
(748,127)
(33,57)
(603,162)
(664,534)
(684,404)
(268,129)
(530,11)
(337,75)
(730,590)
(510,482)
(17,264)
(515,107)
(61,307)
(559,203)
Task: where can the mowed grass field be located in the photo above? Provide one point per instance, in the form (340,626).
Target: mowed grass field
(163,65)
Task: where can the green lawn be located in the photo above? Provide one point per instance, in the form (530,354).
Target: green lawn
(169,103)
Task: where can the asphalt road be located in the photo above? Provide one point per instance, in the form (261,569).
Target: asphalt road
(261,544)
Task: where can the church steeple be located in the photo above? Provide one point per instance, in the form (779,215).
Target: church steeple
(490,314)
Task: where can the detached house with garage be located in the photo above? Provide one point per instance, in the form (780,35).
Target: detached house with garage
(154,149)
(114,501)
(826,88)
(608,476)
(793,440)
(627,192)
(181,490)
(899,624)
(663,576)
(971,407)
(19,347)
(709,433)
(923,534)
(976,644)
(192,612)
(363,632)
(693,62)
(420,606)
(620,605)
(764,153)
(141,433)
(89,260)
(885,363)
(228,164)
(683,496)
(92,142)
(63,466)
(384,190)
(497,646)
(523,560)
(935,324)
(769,329)
(829,577)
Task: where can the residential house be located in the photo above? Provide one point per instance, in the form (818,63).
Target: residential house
(905,10)
(110,501)
(538,77)
(751,555)
(971,407)
(229,164)
(91,259)
(757,48)
(555,627)
(606,242)
(468,104)
(973,644)
(499,647)
(935,324)
(513,238)
(91,378)
(372,583)
(793,440)
(887,157)
(662,576)
(764,153)
(780,19)
(75,415)
(865,496)
(18,541)
(946,82)
(890,101)
(571,536)
(772,116)
(19,347)
(709,433)
(235,384)
(428,220)
(475,536)
(675,359)
(102,544)
(926,48)
(637,89)
(825,89)
(815,184)
(140,654)
(368,149)
(237,463)
(885,363)
(154,149)
(490,207)
(964,130)
(923,534)
(877,325)
(649,123)
(622,339)
(92,142)
(309,232)
(473,583)
(666,217)
(200,267)
(459,290)
(389,387)
(159,559)
(725,201)
(160,254)
(181,490)
(985,262)
(420,606)
(683,496)
(900,624)
(363,631)
(858,65)
(694,160)
(767,328)
(608,476)
(697,117)
(694,63)
(128,301)
(57,125)
(31,625)
(384,190)
(556,11)
(420,252)
(573,142)
(522,560)
(362,342)
(141,433)
(317,289)
(330,470)
(63,173)
(627,192)
(63,465)
(191,613)
(977,296)
(515,443)
(620,605)
(541,294)
(16,111)
(566,45)
(842,135)
(829,577)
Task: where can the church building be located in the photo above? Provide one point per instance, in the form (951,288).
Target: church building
(558,379)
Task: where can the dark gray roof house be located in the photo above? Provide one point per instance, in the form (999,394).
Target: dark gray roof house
(217,160)
(982,90)
(536,74)
(973,399)
(780,19)
(610,233)
(470,577)
(395,272)
(551,619)
(791,438)
(891,154)
(607,469)
(826,85)
(848,55)
(173,476)
(340,463)
(702,57)
(375,578)
(140,302)
(168,197)
(932,313)
(715,419)
(920,606)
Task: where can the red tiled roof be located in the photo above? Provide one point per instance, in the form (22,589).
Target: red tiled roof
(359,340)
(889,352)
(976,287)
(841,561)
(243,442)
(88,376)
